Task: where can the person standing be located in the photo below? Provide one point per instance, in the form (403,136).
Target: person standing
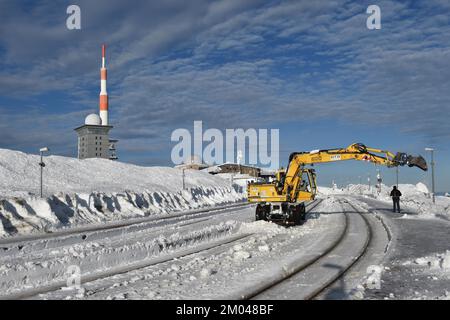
(396,194)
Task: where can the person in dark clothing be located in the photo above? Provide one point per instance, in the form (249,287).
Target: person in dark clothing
(396,194)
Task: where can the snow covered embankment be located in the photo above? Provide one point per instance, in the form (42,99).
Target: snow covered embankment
(97,190)
(416,197)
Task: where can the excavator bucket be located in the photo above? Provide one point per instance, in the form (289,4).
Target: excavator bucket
(402,159)
(419,162)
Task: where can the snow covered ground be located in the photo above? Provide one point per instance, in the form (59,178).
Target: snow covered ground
(435,268)
(179,254)
(210,256)
(238,179)
(416,197)
(87,191)
(417,263)
(222,254)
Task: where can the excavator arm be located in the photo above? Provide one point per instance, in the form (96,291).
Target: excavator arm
(356,151)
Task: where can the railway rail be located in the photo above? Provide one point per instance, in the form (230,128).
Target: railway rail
(308,279)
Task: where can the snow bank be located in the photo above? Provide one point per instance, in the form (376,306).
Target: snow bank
(328,191)
(95,190)
(19,174)
(416,197)
(436,263)
(240,179)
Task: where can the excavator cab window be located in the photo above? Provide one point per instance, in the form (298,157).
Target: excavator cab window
(281,175)
(312,179)
(279,181)
(305,182)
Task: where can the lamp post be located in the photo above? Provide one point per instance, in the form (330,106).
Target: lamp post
(239,159)
(360,185)
(42,165)
(431,150)
(379,181)
(183,175)
(396,173)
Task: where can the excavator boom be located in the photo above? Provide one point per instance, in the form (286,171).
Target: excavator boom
(358,151)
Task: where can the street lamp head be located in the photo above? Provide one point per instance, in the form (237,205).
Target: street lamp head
(429,149)
(44,149)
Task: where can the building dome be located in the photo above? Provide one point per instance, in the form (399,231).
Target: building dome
(93,120)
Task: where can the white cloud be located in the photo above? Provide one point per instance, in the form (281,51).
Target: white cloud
(235,63)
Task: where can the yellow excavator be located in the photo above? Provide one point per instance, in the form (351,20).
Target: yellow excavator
(283,200)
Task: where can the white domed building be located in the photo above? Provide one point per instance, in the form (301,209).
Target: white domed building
(93,120)
(93,139)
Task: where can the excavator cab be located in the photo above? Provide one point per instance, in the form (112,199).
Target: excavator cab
(307,188)
(286,209)
(273,192)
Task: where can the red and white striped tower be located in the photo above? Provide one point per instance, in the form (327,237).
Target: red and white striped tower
(103,93)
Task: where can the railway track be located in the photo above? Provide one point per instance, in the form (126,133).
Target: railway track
(311,278)
(312,205)
(349,266)
(75,235)
(201,248)
(30,293)
(92,233)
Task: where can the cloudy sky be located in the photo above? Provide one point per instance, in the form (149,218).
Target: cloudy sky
(309,68)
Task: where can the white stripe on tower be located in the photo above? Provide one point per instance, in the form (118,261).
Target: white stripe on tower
(103,93)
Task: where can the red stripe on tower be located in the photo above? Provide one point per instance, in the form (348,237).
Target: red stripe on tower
(103,92)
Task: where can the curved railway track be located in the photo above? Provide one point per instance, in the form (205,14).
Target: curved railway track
(348,267)
(304,281)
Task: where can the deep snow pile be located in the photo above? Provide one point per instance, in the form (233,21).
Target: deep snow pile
(418,197)
(239,179)
(325,191)
(96,190)
(436,268)
(413,196)
(19,174)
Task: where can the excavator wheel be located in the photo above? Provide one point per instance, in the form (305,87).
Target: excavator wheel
(260,213)
(298,214)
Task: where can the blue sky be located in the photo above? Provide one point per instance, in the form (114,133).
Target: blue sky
(309,68)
